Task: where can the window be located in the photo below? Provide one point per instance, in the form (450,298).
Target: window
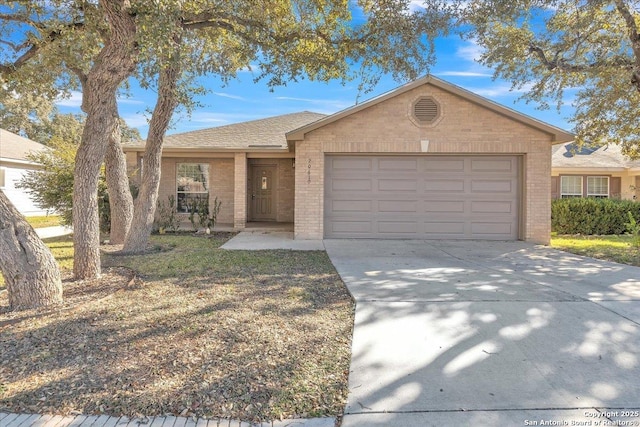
(570,186)
(1,177)
(598,186)
(192,182)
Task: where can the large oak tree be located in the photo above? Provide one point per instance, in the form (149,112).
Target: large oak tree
(98,45)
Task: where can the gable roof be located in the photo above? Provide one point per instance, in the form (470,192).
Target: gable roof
(558,135)
(16,147)
(607,157)
(254,135)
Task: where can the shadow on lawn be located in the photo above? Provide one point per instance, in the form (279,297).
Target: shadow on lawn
(272,342)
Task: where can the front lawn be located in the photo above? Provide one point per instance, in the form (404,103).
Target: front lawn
(186,329)
(44,221)
(610,248)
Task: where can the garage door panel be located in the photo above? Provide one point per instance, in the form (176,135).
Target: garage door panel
(446,165)
(397,185)
(443,185)
(351,205)
(443,228)
(338,185)
(398,164)
(354,226)
(437,197)
(483,206)
(351,163)
(440,206)
(481,228)
(398,227)
(492,186)
(492,166)
(409,206)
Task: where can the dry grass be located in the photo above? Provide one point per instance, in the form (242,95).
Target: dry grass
(611,248)
(194,331)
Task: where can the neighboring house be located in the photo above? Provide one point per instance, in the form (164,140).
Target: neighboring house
(13,165)
(426,160)
(593,172)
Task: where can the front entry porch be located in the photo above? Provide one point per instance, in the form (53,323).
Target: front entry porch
(263,192)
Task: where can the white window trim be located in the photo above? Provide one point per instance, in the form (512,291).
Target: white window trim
(178,192)
(562,194)
(608,187)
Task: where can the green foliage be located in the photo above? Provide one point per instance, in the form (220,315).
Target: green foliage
(206,217)
(549,49)
(52,186)
(592,216)
(203,212)
(633,227)
(193,210)
(167,216)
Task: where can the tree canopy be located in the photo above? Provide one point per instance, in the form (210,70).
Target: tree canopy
(590,48)
(96,46)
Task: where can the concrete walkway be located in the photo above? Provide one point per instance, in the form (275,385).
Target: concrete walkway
(261,240)
(56,231)
(489,333)
(35,420)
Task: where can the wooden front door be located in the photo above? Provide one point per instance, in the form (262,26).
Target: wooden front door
(263,193)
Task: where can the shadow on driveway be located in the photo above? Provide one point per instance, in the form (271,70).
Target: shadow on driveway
(455,333)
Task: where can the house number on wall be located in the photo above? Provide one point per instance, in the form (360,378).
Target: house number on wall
(309,172)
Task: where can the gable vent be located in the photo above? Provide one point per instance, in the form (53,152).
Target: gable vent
(426,110)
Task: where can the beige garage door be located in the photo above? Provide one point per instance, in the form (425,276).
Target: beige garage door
(421,197)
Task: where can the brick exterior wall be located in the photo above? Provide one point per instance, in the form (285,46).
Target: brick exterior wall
(221,183)
(465,128)
(240,195)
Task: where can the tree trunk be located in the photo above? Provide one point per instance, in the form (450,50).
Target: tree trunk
(115,62)
(120,199)
(145,205)
(31,273)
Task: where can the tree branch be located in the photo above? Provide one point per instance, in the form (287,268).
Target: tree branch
(34,48)
(559,63)
(634,38)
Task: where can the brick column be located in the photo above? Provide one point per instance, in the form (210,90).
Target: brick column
(240,191)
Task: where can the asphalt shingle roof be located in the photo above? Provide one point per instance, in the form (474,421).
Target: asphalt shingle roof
(16,147)
(268,133)
(607,156)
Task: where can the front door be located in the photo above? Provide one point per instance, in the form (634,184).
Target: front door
(263,194)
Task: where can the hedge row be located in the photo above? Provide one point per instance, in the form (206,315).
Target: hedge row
(591,215)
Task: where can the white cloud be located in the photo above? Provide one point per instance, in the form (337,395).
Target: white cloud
(130,101)
(74,100)
(228,95)
(136,120)
(498,90)
(470,51)
(200,118)
(463,74)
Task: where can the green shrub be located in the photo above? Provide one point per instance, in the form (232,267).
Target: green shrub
(633,227)
(590,215)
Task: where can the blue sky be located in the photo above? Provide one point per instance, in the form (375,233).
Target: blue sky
(243,100)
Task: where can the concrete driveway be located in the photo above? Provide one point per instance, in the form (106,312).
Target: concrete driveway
(489,333)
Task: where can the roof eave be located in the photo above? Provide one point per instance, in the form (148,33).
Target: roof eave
(213,149)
